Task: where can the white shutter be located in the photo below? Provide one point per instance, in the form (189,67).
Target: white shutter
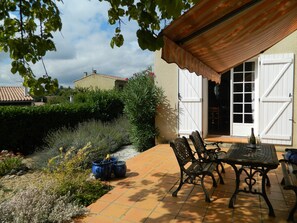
(190,102)
(276,74)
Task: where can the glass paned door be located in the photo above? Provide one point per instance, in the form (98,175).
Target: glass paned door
(243,98)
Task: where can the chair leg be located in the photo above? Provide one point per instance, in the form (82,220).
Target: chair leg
(181,182)
(267,181)
(292,211)
(207,198)
(214,182)
(220,176)
(222,166)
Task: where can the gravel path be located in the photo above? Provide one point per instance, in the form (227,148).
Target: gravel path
(125,153)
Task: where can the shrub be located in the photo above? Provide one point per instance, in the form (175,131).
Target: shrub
(15,121)
(141,98)
(37,205)
(102,138)
(83,191)
(72,160)
(68,170)
(8,162)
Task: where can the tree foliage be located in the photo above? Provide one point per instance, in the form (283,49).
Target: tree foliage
(150,15)
(26,28)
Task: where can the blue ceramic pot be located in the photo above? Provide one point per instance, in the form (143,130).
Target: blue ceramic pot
(120,169)
(103,168)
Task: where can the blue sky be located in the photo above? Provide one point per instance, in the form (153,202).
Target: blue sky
(83,45)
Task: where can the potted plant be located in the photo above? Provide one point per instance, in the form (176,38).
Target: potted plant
(102,168)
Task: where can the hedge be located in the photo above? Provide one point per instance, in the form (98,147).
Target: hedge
(22,129)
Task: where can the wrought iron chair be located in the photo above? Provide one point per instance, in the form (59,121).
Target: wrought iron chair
(214,154)
(192,171)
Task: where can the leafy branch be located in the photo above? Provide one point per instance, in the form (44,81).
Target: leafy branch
(149,14)
(25,42)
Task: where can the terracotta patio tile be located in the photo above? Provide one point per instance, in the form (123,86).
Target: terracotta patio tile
(185,220)
(146,203)
(126,201)
(196,197)
(98,206)
(280,217)
(278,205)
(243,200)
(151,181)
(157,217)
(192,212)
(110,196)
(247,214)
(171,208)
(136,215)
(114,210)
(218,215)
(97,218)
(179,198)
(273,195)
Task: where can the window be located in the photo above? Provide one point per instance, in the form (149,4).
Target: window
(243,92)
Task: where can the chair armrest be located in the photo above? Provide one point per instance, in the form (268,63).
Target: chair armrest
(291,149)
(216,144)
(211,154)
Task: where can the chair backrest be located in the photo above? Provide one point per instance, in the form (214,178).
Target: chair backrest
(182,151)
(198,143)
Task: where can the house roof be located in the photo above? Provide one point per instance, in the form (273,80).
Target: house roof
(103,75)
(14,94)
(216,35)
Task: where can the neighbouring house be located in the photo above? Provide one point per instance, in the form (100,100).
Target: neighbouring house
(11,95)
(258,93)
(100,81)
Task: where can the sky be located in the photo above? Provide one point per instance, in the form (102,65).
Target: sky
(83,45)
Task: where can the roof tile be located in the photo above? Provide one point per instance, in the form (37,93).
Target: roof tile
(14,94)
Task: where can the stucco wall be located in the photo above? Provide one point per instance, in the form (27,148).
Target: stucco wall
(96,81)
(166,78)
(289,45)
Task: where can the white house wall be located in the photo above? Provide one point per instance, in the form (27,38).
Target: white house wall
(167,76)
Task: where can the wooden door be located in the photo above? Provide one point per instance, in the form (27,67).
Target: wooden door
(276,74)
(190,102)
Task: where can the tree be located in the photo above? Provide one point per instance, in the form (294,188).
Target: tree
(26,28)
(149,14)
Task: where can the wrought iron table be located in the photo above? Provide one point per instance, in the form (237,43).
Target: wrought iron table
(253,162)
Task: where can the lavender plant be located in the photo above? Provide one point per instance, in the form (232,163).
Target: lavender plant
(38,205)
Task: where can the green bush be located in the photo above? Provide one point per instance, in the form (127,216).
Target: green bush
(82,190)
(71,171)
(141,98)
(22,129)
(8,162)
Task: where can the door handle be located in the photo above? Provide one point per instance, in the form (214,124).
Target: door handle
(292,120)
(179,97)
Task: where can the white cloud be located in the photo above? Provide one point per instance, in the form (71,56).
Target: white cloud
(83,45)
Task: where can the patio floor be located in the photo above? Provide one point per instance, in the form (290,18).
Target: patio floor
(145,196)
